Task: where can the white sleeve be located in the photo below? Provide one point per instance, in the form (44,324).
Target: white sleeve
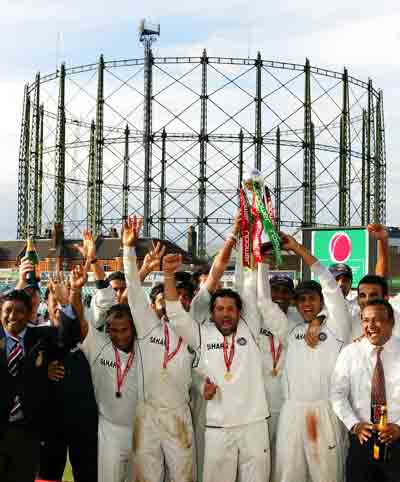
(340,390)
(183,324)
(93,344)
(144,317)
(102,301)
(246,285)
(273,318)
(200,306)
(338,315)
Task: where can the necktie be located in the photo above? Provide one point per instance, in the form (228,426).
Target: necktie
(13,362)
(378,391)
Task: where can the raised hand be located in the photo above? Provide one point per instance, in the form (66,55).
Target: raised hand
(288,242)
(171,263)
(152,260)
(131,230)
(88,248)
(78,277)
(378,231)
(210,389)
(25,267)
(59,288)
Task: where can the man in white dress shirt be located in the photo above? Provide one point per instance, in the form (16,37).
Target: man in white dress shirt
(352,392)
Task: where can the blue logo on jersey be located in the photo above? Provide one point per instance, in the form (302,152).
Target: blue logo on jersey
(322,336)
(242,341)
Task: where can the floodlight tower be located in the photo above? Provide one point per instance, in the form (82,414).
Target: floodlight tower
(148,34)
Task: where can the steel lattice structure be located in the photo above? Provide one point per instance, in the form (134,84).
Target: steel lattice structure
(169,139)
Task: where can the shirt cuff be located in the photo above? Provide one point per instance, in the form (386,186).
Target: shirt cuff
(68,311)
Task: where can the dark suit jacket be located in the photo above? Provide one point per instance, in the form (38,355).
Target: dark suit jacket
(32,384)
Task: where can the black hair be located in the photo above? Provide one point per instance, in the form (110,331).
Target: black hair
(155,291)
(120,311)
(116,275)
(46,294)
(18,295)
(373,279)
(380,302)
(307,286)
(226,293)
(186,285)
(183,276)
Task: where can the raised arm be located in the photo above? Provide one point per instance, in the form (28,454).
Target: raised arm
(246,286)
(143,316)
(222,259)
(273,318)
(181,321)
(339,318)
(379,232)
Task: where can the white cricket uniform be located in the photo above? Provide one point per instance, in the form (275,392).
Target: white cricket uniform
(236,436)
(310,439)
(200,312)
(116,415)
(163,429)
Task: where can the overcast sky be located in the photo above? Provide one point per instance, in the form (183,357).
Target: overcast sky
(363,35)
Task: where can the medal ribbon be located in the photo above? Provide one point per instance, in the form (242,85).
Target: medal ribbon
(229,359)
(256,231)
(121,374)
(167,355)
(245,229)
(275,354)
(268,225)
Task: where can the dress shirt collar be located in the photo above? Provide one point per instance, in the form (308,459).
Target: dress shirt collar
(20,335)
(371,349)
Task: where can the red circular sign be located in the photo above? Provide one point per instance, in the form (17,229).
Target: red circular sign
(340,247)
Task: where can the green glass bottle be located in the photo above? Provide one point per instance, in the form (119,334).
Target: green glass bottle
(31,254)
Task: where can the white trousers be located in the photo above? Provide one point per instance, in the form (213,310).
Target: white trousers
(115,452)
(310,444)
(241,452)
(198,406)
(163,435)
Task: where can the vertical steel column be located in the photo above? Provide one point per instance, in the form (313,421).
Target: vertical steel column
(203,138)
(147,140)
(345,160)
(40,175)
(240,159)
(125,182)
(364,189)
(313,176)
(278,188)
(91,192)
(380,165)
(369,151)
(59,181)
(163,187)
(99,145)
(307,147)
(258,100)
(23,167)
(34,161)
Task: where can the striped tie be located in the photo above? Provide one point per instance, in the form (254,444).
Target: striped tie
(378,388)
(13,361)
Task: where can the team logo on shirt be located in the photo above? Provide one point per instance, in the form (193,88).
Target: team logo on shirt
(242,341)
(107,363)
(157,341)
(265,332)
(215,346)
(322,336)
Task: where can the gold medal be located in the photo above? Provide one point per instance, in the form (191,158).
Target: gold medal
(228,376)
(164,374)
(39,360)
(274,372)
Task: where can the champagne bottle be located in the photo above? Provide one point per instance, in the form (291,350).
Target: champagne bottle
(380,450)
(33,257)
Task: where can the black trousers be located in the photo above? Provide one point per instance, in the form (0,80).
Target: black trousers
(81,445)
(361,468)
(19,453)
